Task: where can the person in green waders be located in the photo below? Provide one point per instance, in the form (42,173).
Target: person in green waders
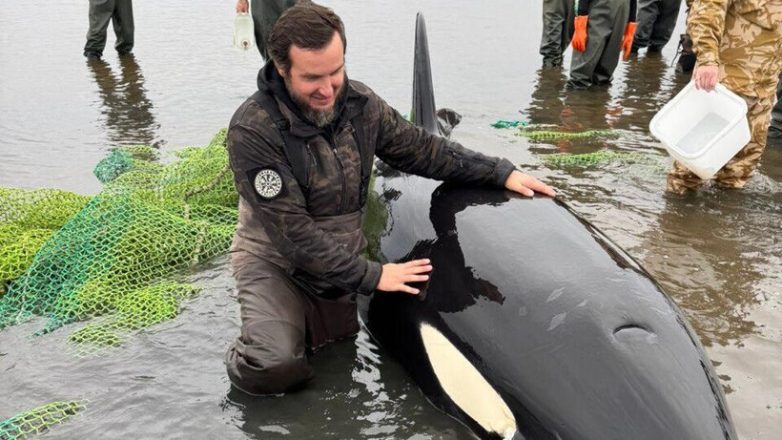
(603,29)
(120,13)
(656,21)
(557,30)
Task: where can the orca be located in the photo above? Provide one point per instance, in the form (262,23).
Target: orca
(533,324)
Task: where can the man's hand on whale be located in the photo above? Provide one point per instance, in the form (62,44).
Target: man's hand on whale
(527,185)
(396,276)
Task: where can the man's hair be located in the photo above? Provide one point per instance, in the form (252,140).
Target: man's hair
(306,25)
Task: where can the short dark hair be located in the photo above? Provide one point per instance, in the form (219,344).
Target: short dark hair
(306,25)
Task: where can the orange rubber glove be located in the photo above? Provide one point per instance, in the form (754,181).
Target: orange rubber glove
(580,33)
(627,41)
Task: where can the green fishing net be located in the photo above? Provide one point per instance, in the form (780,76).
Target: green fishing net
(597,158)
(536,133)
(39,420)
(27,219)
(505,123)
(119,254)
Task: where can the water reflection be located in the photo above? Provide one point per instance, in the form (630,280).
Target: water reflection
(355,394)
(127,111)
(547,104)
(458,285)
(270,416)
(590,109)
(553,105)
(639,96)
(700,253)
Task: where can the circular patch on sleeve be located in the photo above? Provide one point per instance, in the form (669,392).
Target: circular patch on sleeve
(268,183)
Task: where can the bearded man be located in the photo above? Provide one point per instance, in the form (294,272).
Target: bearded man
(301,149)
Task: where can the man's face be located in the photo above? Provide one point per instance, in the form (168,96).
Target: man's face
(316,79)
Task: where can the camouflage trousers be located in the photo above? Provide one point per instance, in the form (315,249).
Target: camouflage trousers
(737,172)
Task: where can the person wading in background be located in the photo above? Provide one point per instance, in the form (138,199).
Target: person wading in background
(603,29)
(738,43)
(557,30)
(120,13)
(656,21)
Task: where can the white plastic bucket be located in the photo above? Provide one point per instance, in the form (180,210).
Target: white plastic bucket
(702,130)
(244,35)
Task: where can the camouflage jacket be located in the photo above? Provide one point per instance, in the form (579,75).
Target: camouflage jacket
(316,234)
(742,37)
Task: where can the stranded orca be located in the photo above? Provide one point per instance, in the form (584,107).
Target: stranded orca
(534,325)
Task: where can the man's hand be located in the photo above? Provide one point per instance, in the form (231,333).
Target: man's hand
(526,185)
(395,277)
(706,77)
(579,40)
(627,39)
(242,6)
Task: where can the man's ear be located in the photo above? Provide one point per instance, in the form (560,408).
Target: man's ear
(280,70)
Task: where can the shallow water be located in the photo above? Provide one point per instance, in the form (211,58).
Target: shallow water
(717,253)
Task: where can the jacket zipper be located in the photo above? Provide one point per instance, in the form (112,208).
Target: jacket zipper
(341,173)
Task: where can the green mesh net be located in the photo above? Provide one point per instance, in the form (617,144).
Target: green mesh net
(27,219)
(598,158)
(505,123)
(543,134)
(138,309)
(39,420)
(118,254)
(124,159)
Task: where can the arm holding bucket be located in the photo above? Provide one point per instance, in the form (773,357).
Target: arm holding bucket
(706,25)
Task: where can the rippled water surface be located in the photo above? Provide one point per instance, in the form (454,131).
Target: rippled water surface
(718,253)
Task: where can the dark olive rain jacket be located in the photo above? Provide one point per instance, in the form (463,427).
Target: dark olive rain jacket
(315,233)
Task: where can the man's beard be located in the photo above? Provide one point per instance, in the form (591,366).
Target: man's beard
(320,118)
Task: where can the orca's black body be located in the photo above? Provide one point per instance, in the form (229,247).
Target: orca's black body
(573,336)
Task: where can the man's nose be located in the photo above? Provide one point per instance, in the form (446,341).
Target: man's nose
(326,88)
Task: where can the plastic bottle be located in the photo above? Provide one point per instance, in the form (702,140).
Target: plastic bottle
(244,36)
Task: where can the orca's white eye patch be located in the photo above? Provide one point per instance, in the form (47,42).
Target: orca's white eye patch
(268,183)
(466,386)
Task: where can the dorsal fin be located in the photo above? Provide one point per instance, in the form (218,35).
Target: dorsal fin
(424,112)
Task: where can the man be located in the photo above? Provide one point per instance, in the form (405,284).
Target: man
(301,150)
(603,29)
(736,42)
(265,14)
(656,20)
(120,13)
(557,30)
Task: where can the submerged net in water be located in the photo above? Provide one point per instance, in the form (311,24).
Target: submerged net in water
(534,133)
(39,420)
(598,158)
(116,255)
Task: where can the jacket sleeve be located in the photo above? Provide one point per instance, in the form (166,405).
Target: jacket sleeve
(413,150)
(286,220)
(582,7)
(706,24)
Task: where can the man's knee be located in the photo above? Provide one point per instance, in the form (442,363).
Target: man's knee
(269,358)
